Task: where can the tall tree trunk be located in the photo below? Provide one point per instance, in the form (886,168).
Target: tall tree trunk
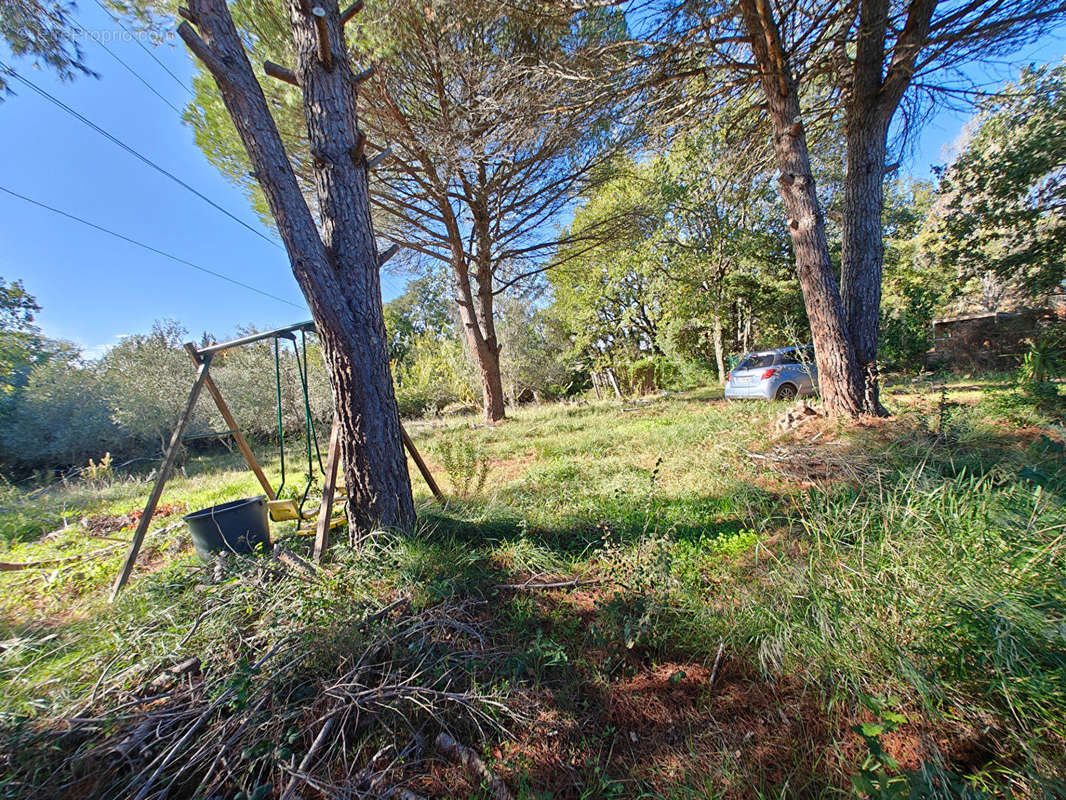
(337,269)
(719,355)
(862,257)
(476,316)
(872,98)
(488,361)
(489,355)
(840,379)
(477,311)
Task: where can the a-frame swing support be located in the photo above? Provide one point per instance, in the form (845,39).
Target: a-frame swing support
(201,357)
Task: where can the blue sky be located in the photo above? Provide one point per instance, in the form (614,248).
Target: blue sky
(94,288)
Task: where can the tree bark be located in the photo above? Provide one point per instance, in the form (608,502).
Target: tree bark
(337,270)
(719,355)
(488,355)
(862,258)
(839,377)
(488,360)
(477,311)
(873,96)
(476,316)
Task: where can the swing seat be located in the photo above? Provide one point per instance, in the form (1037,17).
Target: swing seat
(334,522)
(285,510)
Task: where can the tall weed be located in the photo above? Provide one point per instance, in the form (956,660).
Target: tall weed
(466,465)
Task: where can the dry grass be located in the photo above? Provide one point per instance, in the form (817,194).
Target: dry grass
(663,602)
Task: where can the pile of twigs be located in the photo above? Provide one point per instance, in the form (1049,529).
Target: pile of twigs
(352,713)
(817,463)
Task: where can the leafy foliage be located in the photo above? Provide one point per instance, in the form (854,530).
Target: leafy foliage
(466,465)
(63,416)
(1004,196)
(875,778)
(45,32)
(700,265)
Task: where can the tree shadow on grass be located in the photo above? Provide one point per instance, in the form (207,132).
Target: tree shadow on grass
(616,520)
(658,717)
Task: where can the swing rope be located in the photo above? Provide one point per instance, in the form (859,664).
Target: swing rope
(309,423)
(305,382)
(281,430)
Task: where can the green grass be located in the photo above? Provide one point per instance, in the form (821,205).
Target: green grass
(931,571)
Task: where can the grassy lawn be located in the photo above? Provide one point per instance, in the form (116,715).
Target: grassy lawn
(660,598)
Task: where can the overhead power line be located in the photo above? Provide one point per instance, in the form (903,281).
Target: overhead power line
(147,247)
(143,158)
(129,69)
(148,50)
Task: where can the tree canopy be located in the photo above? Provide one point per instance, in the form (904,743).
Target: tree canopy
(45,33)
(1002,201)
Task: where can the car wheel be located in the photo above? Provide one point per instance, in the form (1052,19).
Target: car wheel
(786,391)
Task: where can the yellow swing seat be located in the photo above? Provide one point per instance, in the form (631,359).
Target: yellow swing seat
(334,522)
(285,510)
(282,510)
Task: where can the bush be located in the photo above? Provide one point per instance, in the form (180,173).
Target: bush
(661,372)
(905,336)
(62,417)
(435,373)
(467,466)
(643,376)
(150,376)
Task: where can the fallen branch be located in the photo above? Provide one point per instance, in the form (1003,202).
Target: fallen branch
(384,612)
(474,765)
(163,759)
(174,672)
(571,584)
(717,659)
(446,622)
(203,615)
(10,566)
(316,745)
(294,562)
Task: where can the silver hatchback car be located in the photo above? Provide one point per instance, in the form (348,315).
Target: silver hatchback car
(782,374)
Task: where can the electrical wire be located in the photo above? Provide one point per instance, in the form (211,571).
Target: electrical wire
(143,158)
(386,280)
(128,68)
(148,50)
(147,247)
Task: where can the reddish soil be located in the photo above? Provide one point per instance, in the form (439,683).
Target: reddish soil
(502,471)
(662,724)
(108,523)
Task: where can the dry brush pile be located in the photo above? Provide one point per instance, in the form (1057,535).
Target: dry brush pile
(271,692)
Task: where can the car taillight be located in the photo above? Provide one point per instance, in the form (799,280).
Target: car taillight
(729,377)
(768,374)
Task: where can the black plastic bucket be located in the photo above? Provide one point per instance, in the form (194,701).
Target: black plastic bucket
(238,526)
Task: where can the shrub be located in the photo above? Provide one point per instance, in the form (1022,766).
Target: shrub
(435,373)
(643,376)
(466,465)
(62,417)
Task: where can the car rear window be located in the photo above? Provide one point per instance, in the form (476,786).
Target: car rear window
(804,356)
(756,362)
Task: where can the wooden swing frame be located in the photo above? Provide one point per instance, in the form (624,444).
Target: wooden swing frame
(201,358)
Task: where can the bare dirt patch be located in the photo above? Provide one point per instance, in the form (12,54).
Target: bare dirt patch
(108,523)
